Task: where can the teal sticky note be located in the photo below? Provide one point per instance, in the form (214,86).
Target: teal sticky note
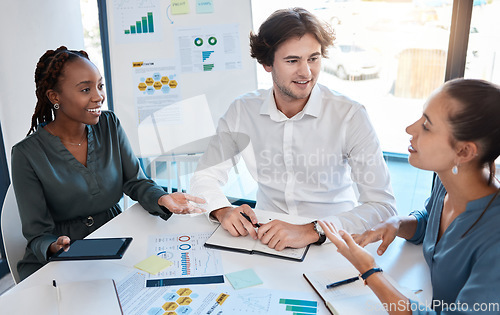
(204,6)
(243,279)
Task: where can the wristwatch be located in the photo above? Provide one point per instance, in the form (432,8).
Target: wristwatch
(321,233)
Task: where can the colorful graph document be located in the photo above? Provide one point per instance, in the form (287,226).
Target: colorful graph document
(156,87)
(193,300)
(191,260)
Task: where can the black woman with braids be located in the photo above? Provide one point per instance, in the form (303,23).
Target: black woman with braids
(71,170)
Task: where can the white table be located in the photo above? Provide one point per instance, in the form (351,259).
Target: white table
(403,261)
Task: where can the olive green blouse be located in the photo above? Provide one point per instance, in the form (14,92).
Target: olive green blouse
(56,194)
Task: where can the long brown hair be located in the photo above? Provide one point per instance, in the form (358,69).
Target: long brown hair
(47,73)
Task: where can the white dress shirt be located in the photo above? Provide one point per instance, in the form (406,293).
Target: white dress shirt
(305,165)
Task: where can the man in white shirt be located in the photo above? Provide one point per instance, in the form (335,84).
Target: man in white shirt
(312,151)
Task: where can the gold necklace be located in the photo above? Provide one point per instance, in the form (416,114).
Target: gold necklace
(63,141)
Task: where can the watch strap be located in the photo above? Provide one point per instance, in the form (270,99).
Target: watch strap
(365,275)
(321,233)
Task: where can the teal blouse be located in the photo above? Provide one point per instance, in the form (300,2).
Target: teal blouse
(56,193)
(464,270)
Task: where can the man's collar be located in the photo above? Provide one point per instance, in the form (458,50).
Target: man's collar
(312,107)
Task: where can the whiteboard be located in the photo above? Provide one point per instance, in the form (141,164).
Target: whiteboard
(193,48)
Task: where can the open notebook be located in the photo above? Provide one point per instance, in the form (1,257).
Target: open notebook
(221,239)
(353,298)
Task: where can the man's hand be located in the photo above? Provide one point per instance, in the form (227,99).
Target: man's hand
(235,223)
(279,235)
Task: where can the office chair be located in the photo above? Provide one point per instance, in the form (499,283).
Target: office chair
(13,238)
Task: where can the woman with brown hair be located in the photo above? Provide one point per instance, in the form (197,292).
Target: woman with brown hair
(458,138)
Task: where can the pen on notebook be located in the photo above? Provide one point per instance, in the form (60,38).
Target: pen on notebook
(248,218)
(346,281)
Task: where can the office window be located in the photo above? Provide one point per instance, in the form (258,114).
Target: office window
(92,36)
(483,53)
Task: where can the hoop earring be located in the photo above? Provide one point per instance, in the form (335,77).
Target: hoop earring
(454,170)
(56,106)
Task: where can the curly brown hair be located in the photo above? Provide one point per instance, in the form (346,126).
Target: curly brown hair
(47,73)
(283,25)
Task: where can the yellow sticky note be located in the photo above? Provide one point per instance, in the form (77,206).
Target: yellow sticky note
(179,6)
(153,264)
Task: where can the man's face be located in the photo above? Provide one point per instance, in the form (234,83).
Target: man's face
(297,63)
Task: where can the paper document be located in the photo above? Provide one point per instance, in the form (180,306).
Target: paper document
(186,251)
(69,298)
(196,300)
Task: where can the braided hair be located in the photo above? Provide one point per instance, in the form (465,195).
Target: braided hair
(47,73)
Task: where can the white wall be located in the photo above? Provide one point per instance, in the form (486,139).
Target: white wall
(29,28)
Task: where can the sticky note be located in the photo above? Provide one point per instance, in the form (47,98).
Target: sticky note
(204,6)
(179,6)
(153,264)
(243,279)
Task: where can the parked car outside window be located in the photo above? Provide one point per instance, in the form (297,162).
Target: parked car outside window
(350,61)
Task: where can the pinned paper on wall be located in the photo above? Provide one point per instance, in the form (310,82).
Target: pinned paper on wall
(208,48)
(136,22)
(204,6)
(179,6)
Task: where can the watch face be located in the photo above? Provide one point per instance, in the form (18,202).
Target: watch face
(318,228)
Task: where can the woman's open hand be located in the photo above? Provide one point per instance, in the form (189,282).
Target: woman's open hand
(182,203)
(358,256)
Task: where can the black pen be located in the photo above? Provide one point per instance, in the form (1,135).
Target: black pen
(346,281)
(248,218)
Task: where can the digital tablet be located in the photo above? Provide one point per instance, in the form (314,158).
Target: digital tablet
(94,248)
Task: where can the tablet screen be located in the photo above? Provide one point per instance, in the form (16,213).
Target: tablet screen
(99,248)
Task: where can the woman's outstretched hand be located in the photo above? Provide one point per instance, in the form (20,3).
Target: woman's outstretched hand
(61,242)
(357,256)
(182,203)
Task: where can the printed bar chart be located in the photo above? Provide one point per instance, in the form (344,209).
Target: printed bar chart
(144,25)
(208,67)
(206,54)
(300,306)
